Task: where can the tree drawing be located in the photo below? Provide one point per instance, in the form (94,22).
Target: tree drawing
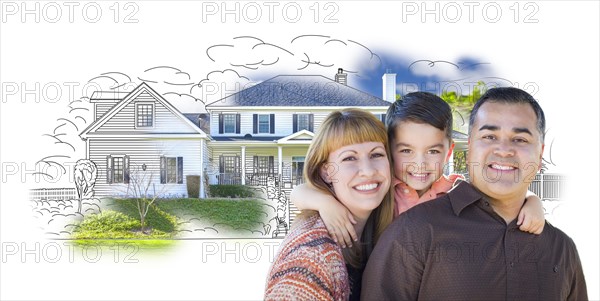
(143,190)
(85,173)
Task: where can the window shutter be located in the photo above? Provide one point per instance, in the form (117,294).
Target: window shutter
(237,123)
(179,170)
(272,124)
(271,165)
(383,118)
(109,170)
(311,121)
(221,123)
(255,164)
(254,123)
(295,121)
(221,164)
(126,169)
(163,170)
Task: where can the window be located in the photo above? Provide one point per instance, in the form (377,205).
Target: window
(264,164)
(144,115)
(380,117)
(263,123)
(297,168)
(117,169)
(303,122)
(229,124)
(229,164)
(171,170)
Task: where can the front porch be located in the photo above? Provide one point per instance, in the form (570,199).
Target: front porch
(251,161)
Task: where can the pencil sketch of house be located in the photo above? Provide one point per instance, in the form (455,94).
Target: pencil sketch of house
(141,131)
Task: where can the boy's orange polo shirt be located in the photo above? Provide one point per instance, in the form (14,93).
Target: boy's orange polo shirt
(406,197)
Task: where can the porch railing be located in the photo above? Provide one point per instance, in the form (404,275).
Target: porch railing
(254,179)
(229,179)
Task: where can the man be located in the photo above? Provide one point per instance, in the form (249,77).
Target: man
(466,244)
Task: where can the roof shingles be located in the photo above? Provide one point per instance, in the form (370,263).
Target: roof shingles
(301,91)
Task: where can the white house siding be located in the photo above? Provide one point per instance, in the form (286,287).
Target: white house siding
(164,120)
(145,151)
(284,119)
(102,108)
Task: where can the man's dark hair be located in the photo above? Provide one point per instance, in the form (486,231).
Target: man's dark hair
(510,95)
(419,107)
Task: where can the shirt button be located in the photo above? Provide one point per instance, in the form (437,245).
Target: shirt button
(405,191)
(487,203)
(512,264)
(555,269)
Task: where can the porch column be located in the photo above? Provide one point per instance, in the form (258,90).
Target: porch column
(243,163)
(279,158)
(451,163)
(202,169)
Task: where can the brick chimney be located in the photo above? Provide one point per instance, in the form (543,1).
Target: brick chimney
(389,86)
(341,77)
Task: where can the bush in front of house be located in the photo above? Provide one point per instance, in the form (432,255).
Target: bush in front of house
(231,191)
(118,225)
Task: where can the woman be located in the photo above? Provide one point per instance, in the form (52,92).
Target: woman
(348,158)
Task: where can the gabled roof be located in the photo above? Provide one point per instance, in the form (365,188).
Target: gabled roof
(300,91)
(107,96)
(300,137)
(143,87)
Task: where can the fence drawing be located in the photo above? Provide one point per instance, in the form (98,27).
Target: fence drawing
(53,194)
(547,186)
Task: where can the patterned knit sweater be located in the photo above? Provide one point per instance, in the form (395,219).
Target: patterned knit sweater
(308,266)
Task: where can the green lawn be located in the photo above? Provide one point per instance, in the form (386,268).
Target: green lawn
(242,213)
(121,221)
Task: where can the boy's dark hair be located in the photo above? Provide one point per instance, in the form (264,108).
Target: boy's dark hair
(510,95)
(419,107)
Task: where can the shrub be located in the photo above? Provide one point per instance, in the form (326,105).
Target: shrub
(108,224)
(231,191)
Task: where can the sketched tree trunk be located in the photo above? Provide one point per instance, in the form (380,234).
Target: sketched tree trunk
(85,173)
(142,189)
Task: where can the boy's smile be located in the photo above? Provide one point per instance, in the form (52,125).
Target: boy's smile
(420,152)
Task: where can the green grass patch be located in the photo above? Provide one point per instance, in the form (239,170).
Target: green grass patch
(127,244)
(236,213)
(123,222)
(156,218)
(231,191)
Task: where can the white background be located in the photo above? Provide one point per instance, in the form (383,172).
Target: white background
(559,54)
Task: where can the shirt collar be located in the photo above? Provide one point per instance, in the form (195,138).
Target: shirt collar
(462,195)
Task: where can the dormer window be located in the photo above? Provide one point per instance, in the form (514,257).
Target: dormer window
(144,115)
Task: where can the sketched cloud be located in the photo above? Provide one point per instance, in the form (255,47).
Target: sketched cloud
(248,52)
(447,69)
(166,75)
(218,84)
(111,81)
(310,53)
(185,103)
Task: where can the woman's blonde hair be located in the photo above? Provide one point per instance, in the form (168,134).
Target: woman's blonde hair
(341,128)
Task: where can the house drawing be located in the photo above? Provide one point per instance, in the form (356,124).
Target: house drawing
(139,132)
(259,133)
